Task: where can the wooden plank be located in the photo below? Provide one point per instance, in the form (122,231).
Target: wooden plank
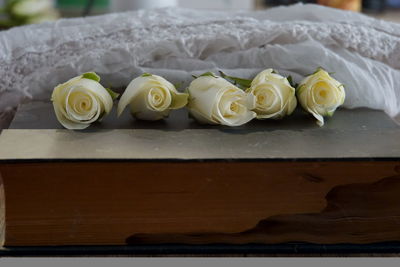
(201,202)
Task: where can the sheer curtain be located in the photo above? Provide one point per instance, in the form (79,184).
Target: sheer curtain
(364,53)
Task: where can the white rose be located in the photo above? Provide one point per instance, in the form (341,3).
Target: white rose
(320,94)
(214,100)
(275,97)
(81,101)
(27,8)
(151,97)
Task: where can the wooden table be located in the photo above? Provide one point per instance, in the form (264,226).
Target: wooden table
(287,185)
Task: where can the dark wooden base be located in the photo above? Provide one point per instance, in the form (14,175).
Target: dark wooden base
(115,203)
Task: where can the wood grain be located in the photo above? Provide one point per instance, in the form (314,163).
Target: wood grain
(83,203)
(355,213)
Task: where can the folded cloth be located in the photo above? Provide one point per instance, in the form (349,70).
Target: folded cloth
(363,53)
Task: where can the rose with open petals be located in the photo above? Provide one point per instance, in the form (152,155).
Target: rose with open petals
(275,97)
(81,101)
(320,94)
(151,97)
(214,100)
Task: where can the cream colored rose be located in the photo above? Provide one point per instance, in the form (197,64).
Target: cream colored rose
(81,101)
(275,97)
(27,8)
(32,11)
(151,97)
(320,94)
(214,100)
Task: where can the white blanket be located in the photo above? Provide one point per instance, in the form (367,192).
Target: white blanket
(364,53)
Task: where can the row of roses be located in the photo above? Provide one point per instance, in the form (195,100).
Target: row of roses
(209,98)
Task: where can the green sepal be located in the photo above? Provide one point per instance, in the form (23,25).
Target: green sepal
(239,82)
(330,114)
(208,73)
(146,74)
(113,94)
(91,76)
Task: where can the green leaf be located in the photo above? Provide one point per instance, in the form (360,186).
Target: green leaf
(290,79)
(91,76)
(240,82)
(275,72)
(146,74)
(113,94)
(291,82)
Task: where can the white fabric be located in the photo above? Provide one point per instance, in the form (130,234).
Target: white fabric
(364,53)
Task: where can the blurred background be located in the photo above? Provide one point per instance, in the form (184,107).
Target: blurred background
(20,12)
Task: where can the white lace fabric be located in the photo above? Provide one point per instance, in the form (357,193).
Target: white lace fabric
(363,53)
